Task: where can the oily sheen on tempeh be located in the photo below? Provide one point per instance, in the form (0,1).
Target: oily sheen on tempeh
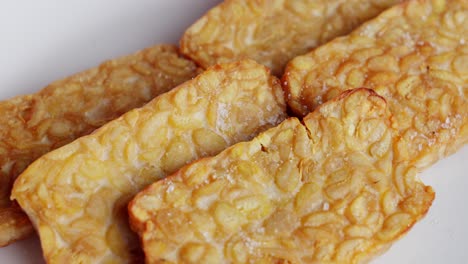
(32,125)
(416,56)
(273,32)
(333,189)
(77,195)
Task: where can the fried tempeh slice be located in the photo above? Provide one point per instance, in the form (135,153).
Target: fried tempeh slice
(273,31)
(416,56)
(331,190)
(32,125)
(77,195)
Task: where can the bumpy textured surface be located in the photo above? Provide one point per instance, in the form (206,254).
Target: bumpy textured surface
(273,31)
(330,191)
(416,56)
(77,195)
(34,124)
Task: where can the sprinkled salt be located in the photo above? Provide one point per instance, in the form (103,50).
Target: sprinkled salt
(251,244)
(319,99)
(229,178)
(170,187)
(326,206)
(447,123)
(223,114)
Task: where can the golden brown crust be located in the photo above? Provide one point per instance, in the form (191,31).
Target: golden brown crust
(32,125)
(416,56)
(77,195)
(14,224)
(273,32)
(329,190)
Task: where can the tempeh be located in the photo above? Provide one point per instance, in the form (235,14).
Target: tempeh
(416,56)
(331,190)
(77,195)
(273,32)
(32,125)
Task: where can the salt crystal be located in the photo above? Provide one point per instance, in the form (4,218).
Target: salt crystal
(170,188)
(229,178)
(447,123)
(326,206)
(223,114)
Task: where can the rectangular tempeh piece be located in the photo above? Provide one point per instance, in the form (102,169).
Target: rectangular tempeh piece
(273,32)
(77,195)
(32,125)
(416,56)
(331,190)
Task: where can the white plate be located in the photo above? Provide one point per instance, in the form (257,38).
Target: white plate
(42,41)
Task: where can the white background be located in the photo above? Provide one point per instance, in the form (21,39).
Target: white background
(42,41)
